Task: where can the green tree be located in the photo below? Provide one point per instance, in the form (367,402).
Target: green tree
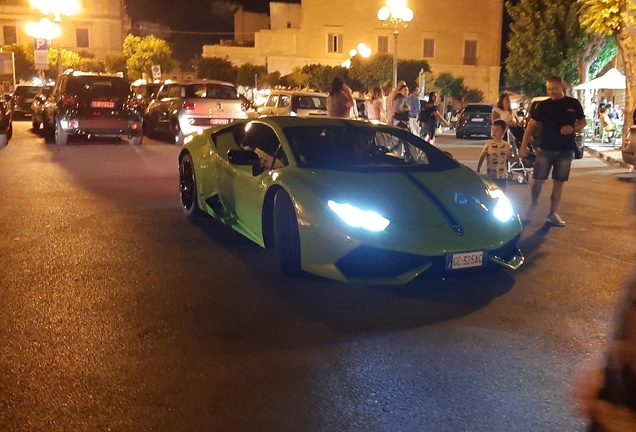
(114,64)
(472,95)
(246,73)
(217,68)
(546,39)
(320,76)
(616,18)
(449,86)
(271,79)
(297,78)
(143,52)
(372,71)
(24,60)
(409,71)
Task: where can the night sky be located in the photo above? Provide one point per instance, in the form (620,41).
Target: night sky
(211,16)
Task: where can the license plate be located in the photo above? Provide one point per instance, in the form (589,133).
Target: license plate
(216,121)
(477,119)
(103,104)
(465,260)
(29,100)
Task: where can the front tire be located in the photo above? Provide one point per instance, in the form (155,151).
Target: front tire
(286,236)
(188,187)
(61,137)
(459,135)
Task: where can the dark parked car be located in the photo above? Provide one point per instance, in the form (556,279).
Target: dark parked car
(38,105)
(22,98)
(91,104)
(6,124)
(475,119)
(144,94)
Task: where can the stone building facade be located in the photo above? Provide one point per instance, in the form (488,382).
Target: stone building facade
(462,37)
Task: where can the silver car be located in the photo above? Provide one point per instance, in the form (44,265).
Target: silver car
(182,109)
(294,103)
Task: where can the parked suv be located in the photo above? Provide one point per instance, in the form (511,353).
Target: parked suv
(475,119)
(292,103)
(182,109)
(21,99)
(91,104)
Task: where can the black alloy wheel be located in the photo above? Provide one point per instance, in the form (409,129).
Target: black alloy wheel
(188,187)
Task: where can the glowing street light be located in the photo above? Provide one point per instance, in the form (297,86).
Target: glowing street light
(362,50)
(395,14)
(44,29)
(57,7)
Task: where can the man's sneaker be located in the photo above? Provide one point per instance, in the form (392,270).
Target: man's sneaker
(555,220)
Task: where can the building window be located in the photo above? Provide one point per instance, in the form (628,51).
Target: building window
(383,44)
(429,48)
(82,38)
(10,36)
(470,52)
(334,43)
(288,24)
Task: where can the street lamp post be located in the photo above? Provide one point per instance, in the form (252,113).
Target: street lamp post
(395,15)
(57,8)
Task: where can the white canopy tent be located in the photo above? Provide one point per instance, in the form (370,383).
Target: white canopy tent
(613,79)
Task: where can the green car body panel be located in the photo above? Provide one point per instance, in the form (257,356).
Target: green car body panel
(411,201)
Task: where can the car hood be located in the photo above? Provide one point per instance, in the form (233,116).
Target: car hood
(410,198)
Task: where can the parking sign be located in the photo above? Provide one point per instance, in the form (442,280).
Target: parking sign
(156,72)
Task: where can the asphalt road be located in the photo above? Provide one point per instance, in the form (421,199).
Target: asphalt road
(117,313)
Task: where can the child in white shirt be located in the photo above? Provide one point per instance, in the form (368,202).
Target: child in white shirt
(497,154)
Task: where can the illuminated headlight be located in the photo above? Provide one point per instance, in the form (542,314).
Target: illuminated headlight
(357,218)
(503,209)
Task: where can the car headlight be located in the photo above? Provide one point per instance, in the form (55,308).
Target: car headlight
(358,218)
(503,209)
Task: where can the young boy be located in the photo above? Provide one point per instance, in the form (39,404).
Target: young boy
(497,154)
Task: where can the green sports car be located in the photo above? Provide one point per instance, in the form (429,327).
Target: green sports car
(348,200)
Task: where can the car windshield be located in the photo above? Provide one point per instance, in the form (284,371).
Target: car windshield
(473,109)
(354,147)
(310,102)
(26,90)
(210,91)
(98,86)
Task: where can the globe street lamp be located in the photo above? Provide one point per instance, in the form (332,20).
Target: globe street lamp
(395,14)
(361,49)
(57,8)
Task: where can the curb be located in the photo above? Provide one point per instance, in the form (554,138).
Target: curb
(608,159)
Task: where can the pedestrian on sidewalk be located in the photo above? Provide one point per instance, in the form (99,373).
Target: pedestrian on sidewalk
(430,118)
(560,117)
(497,153)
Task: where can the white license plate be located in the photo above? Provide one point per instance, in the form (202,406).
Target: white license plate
(465,260)
(477,119)
(216,121)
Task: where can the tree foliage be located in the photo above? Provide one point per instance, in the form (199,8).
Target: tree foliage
(472,95)
(448,85)
(616,18)
(247,72)
(24,60)
(546,39)
(217,68)
(143,52)
(409,71)
(367,73)
(114,64)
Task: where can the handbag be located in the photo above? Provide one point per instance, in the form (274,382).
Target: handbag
(579,148)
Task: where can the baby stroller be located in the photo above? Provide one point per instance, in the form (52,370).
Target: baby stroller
(522,168)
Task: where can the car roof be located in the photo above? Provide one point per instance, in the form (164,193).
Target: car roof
(298,93)
(200,82)
(295,121)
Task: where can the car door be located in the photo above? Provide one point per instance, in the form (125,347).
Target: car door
(283,107)
(270,106)
(241,191)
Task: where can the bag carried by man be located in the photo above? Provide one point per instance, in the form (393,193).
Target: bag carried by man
(579,149)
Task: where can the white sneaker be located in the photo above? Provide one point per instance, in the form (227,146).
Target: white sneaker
(555,220)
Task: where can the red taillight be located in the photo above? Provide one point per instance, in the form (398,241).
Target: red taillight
(463,117)
(189,105)
(69,100)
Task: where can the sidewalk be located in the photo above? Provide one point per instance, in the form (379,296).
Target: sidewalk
(607,152)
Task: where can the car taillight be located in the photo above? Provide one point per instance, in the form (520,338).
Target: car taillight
(69,100)
(189,105)
(463,117)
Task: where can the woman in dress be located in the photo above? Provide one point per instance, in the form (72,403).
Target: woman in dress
(503,111)
(339,100)
(376,106)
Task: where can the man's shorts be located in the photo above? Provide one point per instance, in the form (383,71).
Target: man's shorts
(557,161)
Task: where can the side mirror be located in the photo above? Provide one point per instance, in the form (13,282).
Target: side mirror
(242,157)
(449,154)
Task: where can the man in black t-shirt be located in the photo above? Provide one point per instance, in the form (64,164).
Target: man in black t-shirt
(560,117)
